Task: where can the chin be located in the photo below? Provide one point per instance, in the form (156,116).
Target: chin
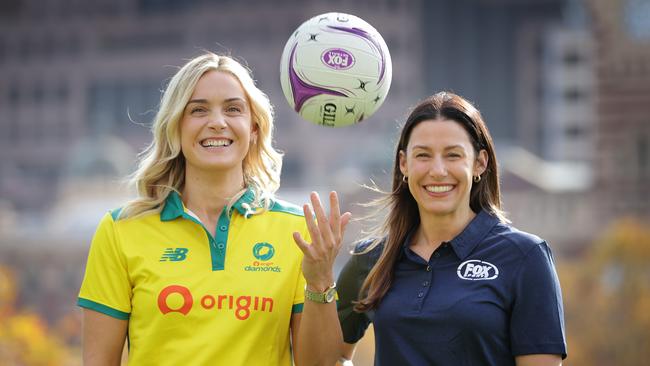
(439,210)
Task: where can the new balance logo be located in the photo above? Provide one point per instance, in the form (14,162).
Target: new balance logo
(174,255)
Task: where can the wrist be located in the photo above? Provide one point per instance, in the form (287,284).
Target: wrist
(345,362)
(320,285)
(323,297)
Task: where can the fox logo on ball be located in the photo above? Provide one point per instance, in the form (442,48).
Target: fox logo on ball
(337,58)
(475,269)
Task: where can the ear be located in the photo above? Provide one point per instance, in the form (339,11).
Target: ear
(254,129)
(402,163)
(481,163)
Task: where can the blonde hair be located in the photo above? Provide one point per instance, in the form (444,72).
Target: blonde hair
(161,167)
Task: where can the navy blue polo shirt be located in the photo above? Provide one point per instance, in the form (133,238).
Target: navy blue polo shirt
(488,295)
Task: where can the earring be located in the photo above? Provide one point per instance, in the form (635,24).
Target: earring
(477,178)
(405,179)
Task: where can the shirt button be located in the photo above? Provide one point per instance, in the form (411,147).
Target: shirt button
(425,283)
(221,246)
(223,227)
(436,254)
(420,294)
(428,268)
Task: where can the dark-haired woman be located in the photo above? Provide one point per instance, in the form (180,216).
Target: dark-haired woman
(447,281)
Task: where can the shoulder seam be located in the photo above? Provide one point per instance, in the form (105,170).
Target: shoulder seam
(511,241)
(523,259)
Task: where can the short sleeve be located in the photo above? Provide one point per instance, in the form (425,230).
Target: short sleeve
(106,287)
(299,291)
(351,278)
(537,319)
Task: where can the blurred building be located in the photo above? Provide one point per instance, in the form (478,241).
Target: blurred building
(595,129)
(622,160)
(528,66)
(73,70)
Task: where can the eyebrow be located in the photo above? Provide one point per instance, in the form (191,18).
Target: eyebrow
(450,147)
(205,101)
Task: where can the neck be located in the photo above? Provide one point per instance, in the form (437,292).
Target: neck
(207,193)
(435,229)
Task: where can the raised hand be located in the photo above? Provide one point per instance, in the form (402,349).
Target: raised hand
(327,236)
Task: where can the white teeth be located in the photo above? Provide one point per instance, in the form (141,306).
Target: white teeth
(438,189)
(216,142)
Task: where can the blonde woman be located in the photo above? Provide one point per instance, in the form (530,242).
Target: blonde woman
(206,267)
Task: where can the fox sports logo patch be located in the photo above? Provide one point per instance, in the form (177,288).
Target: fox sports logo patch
(475,270)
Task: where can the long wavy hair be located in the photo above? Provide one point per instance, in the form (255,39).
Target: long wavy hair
(161,167)
(403,215)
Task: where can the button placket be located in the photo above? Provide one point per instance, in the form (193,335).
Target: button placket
(423,287)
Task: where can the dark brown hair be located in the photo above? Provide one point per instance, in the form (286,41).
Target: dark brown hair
(403,215)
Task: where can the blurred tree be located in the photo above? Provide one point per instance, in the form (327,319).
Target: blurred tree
(607,298)
(24,337)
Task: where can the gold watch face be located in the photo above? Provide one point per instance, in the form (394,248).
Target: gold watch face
(330,295)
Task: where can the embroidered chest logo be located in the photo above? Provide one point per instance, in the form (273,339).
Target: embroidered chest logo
(174,255)
(475,269)
(263,253)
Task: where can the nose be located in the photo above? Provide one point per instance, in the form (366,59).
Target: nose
(438,169)
(217,121)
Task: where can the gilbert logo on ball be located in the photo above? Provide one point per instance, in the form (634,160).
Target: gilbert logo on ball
(335,70)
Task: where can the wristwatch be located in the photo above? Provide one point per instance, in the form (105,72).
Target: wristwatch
(322,297)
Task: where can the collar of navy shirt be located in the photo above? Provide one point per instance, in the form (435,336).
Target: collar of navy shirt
(465,242)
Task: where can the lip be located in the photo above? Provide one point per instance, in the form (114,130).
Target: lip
(202,141)
(439,194)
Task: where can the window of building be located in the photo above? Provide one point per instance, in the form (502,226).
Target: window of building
(14,92)
(643,156)
(636,15)
(142,41)
(574,94)
(10,8)
(572,58)
(61,92)
(163,6)
(38,93)
(575,132)
(3,51)
(121,107)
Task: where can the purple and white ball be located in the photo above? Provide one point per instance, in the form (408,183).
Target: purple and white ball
(335,70)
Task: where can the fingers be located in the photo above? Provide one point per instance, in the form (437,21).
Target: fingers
(345,219)
(311,224)
(335,215)
(325,232)
(302,244)
(323,222)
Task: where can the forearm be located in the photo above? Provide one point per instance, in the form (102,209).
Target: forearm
(319,336)
(539,360)
(347,350)
(103,339)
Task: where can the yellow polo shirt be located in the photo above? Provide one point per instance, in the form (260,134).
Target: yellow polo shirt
(192,298)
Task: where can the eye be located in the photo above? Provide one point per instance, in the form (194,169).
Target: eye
(454,154)
(421,155)
(234,109)
(198,110)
